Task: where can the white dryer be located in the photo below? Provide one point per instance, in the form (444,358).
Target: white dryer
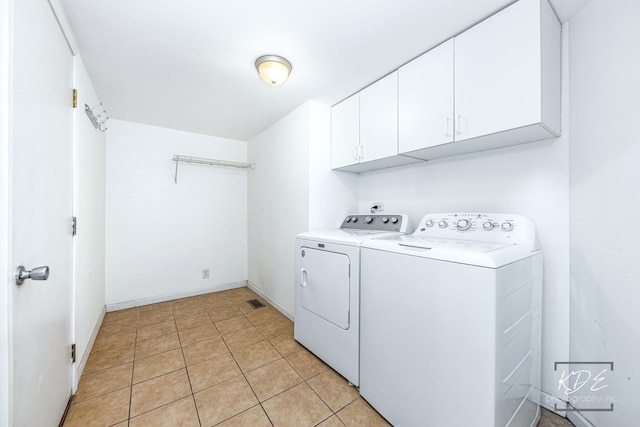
(450,322)
(327,298)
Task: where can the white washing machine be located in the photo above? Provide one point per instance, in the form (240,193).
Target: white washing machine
(327,298)
(450,322)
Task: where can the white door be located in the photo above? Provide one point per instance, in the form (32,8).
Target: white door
(41,197)
(379,119)
(425,100)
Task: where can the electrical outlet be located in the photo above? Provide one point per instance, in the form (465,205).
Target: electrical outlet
(205,273)
(377,206)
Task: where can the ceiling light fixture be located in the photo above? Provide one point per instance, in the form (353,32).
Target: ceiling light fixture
(273,69)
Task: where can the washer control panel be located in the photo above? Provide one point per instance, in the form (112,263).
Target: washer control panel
(386,222)
(478,226)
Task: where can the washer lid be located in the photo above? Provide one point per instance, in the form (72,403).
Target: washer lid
(342,236)
(483,254)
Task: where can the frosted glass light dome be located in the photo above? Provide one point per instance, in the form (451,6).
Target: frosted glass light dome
(273,69)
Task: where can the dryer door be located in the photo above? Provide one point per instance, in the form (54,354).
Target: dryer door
(323,282)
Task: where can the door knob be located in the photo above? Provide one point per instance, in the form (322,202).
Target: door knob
(40,273)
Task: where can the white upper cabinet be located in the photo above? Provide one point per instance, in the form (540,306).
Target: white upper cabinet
(500,71)
(504,86)
(379,119)
(364,129)
(345,132)
(425,96)
(497,84)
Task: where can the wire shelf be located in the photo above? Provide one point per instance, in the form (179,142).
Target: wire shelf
(208,162)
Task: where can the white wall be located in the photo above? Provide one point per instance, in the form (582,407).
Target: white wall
(332,194)
(90,211)
(530,179)
(605,152)
(278,204)
(292,190)
(160,235)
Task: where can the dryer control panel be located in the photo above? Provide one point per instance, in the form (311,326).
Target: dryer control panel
(488,227)
(378,222)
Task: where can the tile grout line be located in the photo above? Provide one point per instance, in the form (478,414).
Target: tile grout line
(133,367)
(186,368)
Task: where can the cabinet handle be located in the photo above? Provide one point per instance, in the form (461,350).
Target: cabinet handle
(356,152)
(361,152)
(446,126)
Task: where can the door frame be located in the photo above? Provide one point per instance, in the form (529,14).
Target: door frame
(6,271)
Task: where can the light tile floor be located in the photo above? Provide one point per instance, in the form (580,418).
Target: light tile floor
(213,360)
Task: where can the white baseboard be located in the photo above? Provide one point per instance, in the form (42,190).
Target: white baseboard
(177,295)
(270,300)
(83,362)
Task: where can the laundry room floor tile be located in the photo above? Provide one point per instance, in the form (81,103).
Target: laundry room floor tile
(105,410)
(224,400)
(359,413)
(204,350)
(254,417)
(157,365)
(234,324)
(212,371)
(109,358)
(159,391)
(105,381)
(272,379)
(179,413)
(255,355)
(211,360)
(243,338)
(306,364)
(334,390)
(299,406)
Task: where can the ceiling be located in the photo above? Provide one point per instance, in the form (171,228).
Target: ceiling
(189,65)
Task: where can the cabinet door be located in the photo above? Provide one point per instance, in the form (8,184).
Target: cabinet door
(345,132)
(379,119)
(425,100)
(497,72)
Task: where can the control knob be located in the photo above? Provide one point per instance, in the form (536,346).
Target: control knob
(354,219)
(463,224)
(429,223)
(368,220)
(507,226)
(348,219)
(488,225)
(394,220)
(385,219)
(443,224)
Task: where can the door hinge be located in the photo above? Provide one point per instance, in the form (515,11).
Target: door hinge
(75,226)
(75,98)
(73,353)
